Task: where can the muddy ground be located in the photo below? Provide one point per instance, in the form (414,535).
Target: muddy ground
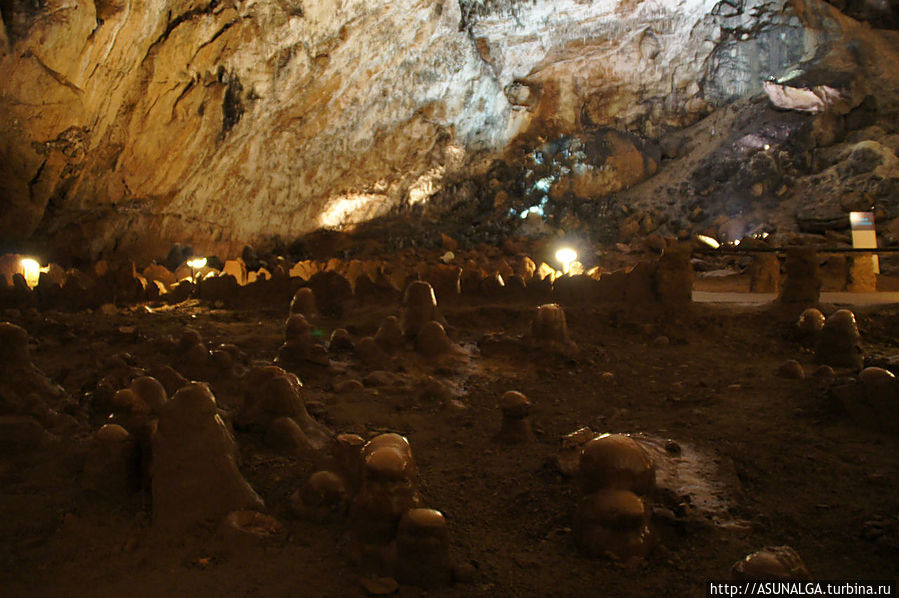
(795,468)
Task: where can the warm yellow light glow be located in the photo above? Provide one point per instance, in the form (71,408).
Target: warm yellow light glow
(427,185)
(31,270)
(565,256)
(197,262)
(351,208)
(709,241)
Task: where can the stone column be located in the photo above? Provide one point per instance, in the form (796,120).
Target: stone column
(802,283)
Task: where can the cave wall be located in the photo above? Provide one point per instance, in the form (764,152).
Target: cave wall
(129,124)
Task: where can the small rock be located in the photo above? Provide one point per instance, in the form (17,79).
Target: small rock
(791,369)
(348,387)
(380,586)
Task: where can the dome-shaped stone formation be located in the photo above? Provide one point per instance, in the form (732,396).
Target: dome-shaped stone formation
(772,563)
(839,342)
(516,428)
(616,461)
(612,520)
(194,474)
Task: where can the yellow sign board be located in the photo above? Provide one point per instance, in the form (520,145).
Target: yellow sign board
(864,236)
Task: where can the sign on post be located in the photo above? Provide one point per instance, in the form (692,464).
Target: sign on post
(863,234)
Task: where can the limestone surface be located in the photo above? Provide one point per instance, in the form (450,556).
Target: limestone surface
(127,125)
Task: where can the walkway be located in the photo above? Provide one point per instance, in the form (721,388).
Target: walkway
(882,298)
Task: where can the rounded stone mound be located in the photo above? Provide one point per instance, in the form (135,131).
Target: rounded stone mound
(252,524)
(616,461)
(423,522)
(126,400)
(514,405)
(340,341)
(550,325)
(189,338)
(303,303)
(390,334)
(419,293)
(13,342)
(386,440)
(387,463)
(613,509)
(150,391)
(838,342)
(772,563)
(613,524)
(810,322)
(324,488)
(195,399)
(111,433)
(432,340)
(422,549)
(874,376)
(296,326)
(791,369)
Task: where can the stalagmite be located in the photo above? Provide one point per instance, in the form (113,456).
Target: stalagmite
(616,461)
(802,284)
(550,329)
(613,523)
(420,308)
(839,341)
(422,549)
(516,428)
(390,334)
(194,472)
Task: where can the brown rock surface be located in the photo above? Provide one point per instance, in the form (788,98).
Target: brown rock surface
(168,109)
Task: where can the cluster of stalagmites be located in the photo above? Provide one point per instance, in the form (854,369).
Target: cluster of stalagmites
(334,284)
(870,395)
(421,327)
(872,398)
(835,339)
(374,485)
(169,436)
(183,451)
(274,407)
(198,360)
(32,407)
(178,447)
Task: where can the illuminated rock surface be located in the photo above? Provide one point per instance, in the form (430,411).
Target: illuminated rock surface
(130,125)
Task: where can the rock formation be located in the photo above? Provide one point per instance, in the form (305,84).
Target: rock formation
(128,125)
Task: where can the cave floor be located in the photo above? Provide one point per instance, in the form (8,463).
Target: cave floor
(800,472)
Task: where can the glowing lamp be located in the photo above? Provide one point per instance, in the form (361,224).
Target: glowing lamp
(31,270)
(709,241)
(195,264)
(565,256)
